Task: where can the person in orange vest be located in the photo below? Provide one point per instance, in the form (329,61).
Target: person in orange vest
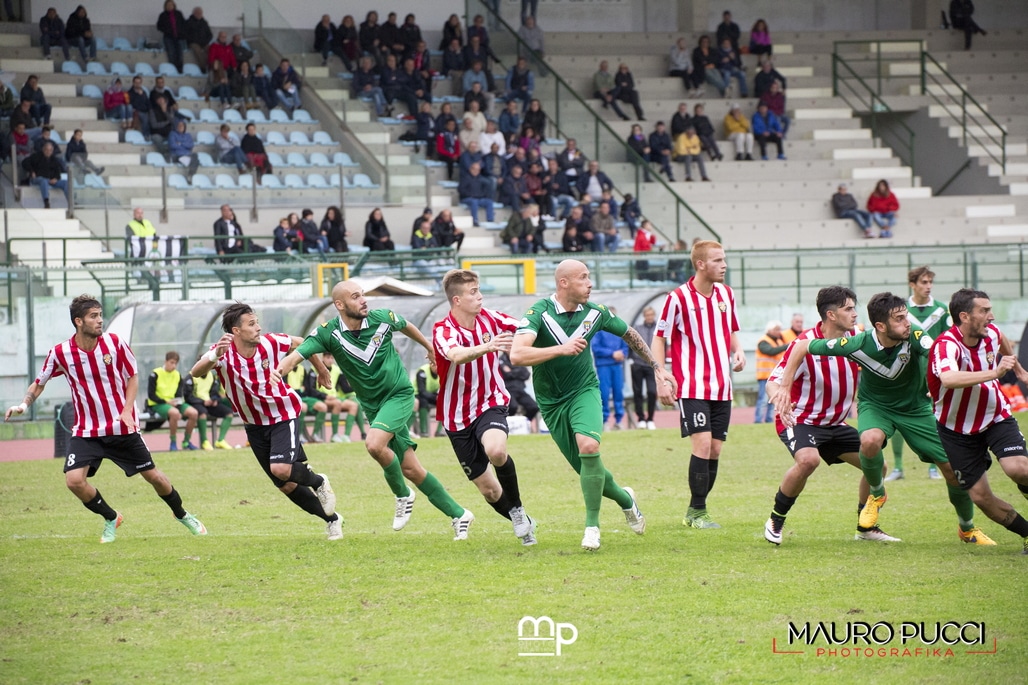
(794,330)
(769,352)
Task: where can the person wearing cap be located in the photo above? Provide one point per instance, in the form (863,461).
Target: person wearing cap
(737,130)
(845,207)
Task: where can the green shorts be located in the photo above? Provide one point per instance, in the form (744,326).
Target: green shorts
(394,416)
(582,415)
(161,410)
(309,402)
(917,429)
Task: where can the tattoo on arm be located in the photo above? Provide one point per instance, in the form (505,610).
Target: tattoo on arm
(639,346)
(29,399)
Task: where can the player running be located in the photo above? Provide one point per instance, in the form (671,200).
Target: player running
(361,343)
(822,397)
(472,402)
(554,337)
(101,371)
(893,396)
(245,361)
(973,415)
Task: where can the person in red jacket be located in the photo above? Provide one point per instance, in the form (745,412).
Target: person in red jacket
(222,50)
(645,238)
(447,146)
(883,206)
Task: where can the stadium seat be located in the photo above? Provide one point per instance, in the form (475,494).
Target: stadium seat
(178,181)
(101,44)
(121,69)
(144,69)
(317,181)
(201,181)
(135,137)
(363,181)
(302,116)
(205,160)
(299,138)
(93,68)
(256,116)
(70,67)
(320,159)
(190,69)
(156,159)
(204,138)
(347,183)
(276,138)
(209,116)
(270,181)
(232,116)
(167,69)
(279,116)
(246,181)
(294,181)
(187,113)
(333,180)
(55,136)
(121,43)
(188,93)
(298,160)
(276,161)
(225,181)
(344,159)
(323,138)
(95,181)
(91,91)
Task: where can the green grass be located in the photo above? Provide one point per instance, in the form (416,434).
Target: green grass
(266,599)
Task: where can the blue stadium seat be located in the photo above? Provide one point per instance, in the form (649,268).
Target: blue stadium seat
(122,44)
(187,113)
(246,181)
(156,159)
(167,69)
(205,160)
(94,68)
(201,181)
(297,159)
(204,138)
(70,67)
(363,181)
(317,181)
(279,116)
(225,181)
(209,116)
(121,69)
(95,181)
(294,181)
(144,69)
(320,159)
(276,138)
(178,181)
(344,159)
(188,93)
(302,116)
(101,44)
(91,91)
(299,138)
(323,138)
(232,116)
(135,137)
(191,70)
(270,181)
(256,116)
(276,161)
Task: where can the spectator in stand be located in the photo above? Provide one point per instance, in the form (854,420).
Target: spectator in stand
(594,182)
(630,213)
(22,115)
(346,43)
(760,40)
(605,231)
(737,130)
(7,100)
(571,241)
(40,109)
(365,85)
(285,83)
(492,136)
(645,239)
(452,31)
(681,66)
(44,138)
(703,57)
(139,226)
(392,37)
(369,37)
(583,229)
(640,150)
(22,146)
(77,154)
(262,86)
(473,52)
(243,88)
(775,101)
(313,238)
(446,232)
(410,34)
(180,147)
(624,90)
(476,191)
(558,189)
(845,207)
(423,64)
(445,115)
(198,37)
(472,154)
(520,83)
(79,32)
(333,227)
(883,206)
(414,88)
(572,162)
(728,30)
(376,233)
(605,89)
(475,74)
(960,14)
(767,129)
(688,149)
(285,237)
(765,77)
(139,99)
(510,122)
(424,131)
(467,133)
(519,233)
(660,150)
(534,184)
(680,120)
(480,98)
(222,50)
(447,147)
(514,191)
(325,38)
(423,239)
(116,104)
(494,168)
(529,140)
(426,215)
(476,119)
(705,131)
(454,66)
(228,235)
(242,53)
(229,151)
(535,118)
(253,147)
(44,171)
(478,30)
(770,350)
(730,64)
(51,30)
(159,89)
(532,37)
(390,78)
(162,122)
(218,86)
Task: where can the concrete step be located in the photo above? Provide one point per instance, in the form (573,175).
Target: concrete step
(912,68)
(887,173)
(15,40)
(27,66)
(822,113)
(862,153)
(1008,231)
(842,134)
(991,211)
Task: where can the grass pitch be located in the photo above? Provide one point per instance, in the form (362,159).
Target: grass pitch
(264,598)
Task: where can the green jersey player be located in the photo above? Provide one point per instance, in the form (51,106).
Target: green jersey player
(361,343)
(933,318)
(893,396)
(554,337)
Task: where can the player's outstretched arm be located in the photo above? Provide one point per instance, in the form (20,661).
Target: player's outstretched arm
(31,395)
(501,342)
(638,345)
(287,365)
(965,379)
(415,334)
(523,354)
(324,376)
(782,399)
(210,359)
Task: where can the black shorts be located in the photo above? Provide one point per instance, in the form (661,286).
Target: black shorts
(467,443)
(278,443)
(127,451)
(969,454)
(830,441)
(217,410)
(705,416)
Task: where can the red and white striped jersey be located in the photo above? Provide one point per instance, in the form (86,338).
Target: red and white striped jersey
(98,378)
(248,386)
(699,330)
(823,388)
(966,410)
(467,390)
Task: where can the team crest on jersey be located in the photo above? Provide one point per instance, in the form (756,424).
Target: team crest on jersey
(586,325)
(377,341)
(722,306)
(990,357)
(266,364)
(108,359)
(486,337)
(904,358)
(661,325)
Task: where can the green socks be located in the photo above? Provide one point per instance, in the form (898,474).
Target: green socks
(319,424)
(335,424)
(226,426)
(394,477)
(961,501)
(592,478)
(872,468)
(423,422)
(611,490)
(201,425)
(438,496)
(897,451)
(350,420)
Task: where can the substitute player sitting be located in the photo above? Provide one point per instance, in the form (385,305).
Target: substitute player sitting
(164,399)
(203,395)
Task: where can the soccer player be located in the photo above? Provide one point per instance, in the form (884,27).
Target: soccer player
(101,371)
(361,343)
(554,337)
(164,397)
(932,318)
(697,326)
(473,401)
(893,396)
(973,415)
(822,399)
(271,411)
(203,395)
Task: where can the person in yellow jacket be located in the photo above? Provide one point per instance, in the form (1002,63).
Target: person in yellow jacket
(334,399)
(164,397)
(203,394)
(770,350)
(737,130)
(689,149)
(139,227)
